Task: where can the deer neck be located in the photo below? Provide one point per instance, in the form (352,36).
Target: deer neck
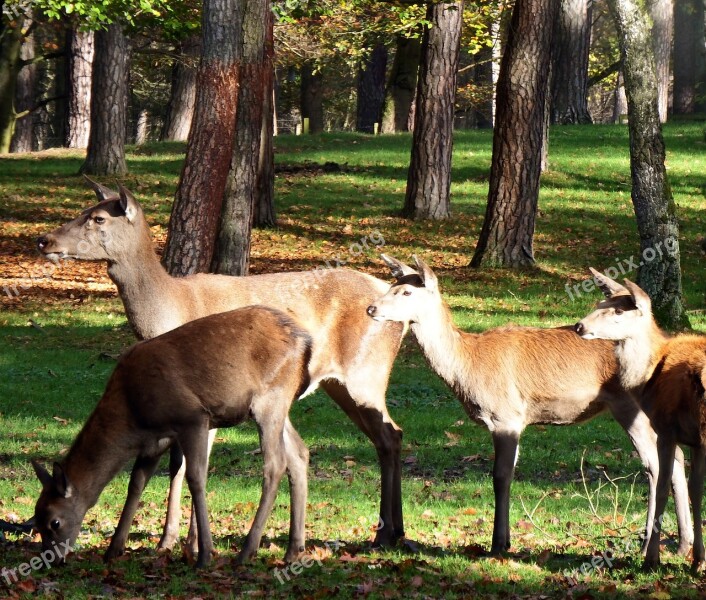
(638,356)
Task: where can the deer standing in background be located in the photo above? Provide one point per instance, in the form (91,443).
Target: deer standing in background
(511,377)
(212,372)
(669,374)
(352,355)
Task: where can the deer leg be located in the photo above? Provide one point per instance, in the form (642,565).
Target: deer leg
(696,492)
(142,471)
(506,445)
(297,466)
(275,463)
(665,450)
(374,421)
(194,443)
(192,538)
(177,468)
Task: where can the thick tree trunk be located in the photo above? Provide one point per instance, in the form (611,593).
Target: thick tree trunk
(232,253)
(659,272)
(689,57)
(197,204)
(109,104)
(662,15)
(312,98)
(10,47)
(570,81)
(25,98)
(80,65)
(429,176)
(182,97)
(401,85)
(371,90)
(506,239)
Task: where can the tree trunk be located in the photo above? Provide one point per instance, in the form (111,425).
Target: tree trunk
(197,204)
(659,272)
(264,214)
(371,90)
(25,98)
(10,47)
(232,253)
(80,59)
(620,106)
(182,97)
(429,176)
(401,85)
(483,80)
(689,57)
(506,239)
(109,104)
(312,98)
(570,82)
(662,15)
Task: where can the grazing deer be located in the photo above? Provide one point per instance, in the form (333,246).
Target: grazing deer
(212,372)
(511,377)
(352,355)
(669,374)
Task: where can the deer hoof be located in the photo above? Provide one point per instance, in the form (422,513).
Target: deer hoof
(112,553)
(683,548)
(294,554)
(650,564)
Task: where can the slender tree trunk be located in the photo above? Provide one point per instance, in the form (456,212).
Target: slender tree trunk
(620,107)
(312,98)
(232,253)
(659,273)
(197,204)
(25,98)
(662,15)
(483,80)
(109,103)
(264,214)
(506,239)
(80,64)
(401,85)
(182,97)
(10,47)
(689,57)
(429,176)
(371,90)
(570,83)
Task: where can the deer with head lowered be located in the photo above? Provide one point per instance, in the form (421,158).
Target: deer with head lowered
(669,375)
(352,356)
(510,377)
(212,372)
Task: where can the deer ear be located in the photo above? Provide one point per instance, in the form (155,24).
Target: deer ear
(641,299)
(428,276)
(102,192)
(397,268)
(61,482)
(128,204)
(44,477)
(608,286)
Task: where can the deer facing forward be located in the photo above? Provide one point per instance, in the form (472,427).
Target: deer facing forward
(669,374)
(511,377)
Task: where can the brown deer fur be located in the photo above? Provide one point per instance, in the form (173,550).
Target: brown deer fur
(511,377)
(352,355)
(212,372)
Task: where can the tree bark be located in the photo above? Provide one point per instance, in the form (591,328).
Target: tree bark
(662,15)
(109,104)
(570,81)
(371,90)
(10,46)
(232,253)
(264,214)
(25,98)
(689,57)
(659,271)
(312,98)
(483,79)
(429,176)
(80,64)
(506,239)
(197,204)
(401,85)
(182,97)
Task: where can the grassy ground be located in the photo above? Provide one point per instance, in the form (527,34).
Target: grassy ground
(579,494)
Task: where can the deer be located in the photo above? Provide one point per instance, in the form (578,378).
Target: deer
(510,377)
(216,371)
(352,356)
(669,375)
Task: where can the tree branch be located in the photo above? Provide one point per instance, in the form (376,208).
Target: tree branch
(36,107)
(598,77)
(41,58)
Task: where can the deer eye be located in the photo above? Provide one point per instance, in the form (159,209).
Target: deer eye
(406,293)
(55,524)
(619,311)
(99,220)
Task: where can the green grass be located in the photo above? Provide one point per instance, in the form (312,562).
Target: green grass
(60,337)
